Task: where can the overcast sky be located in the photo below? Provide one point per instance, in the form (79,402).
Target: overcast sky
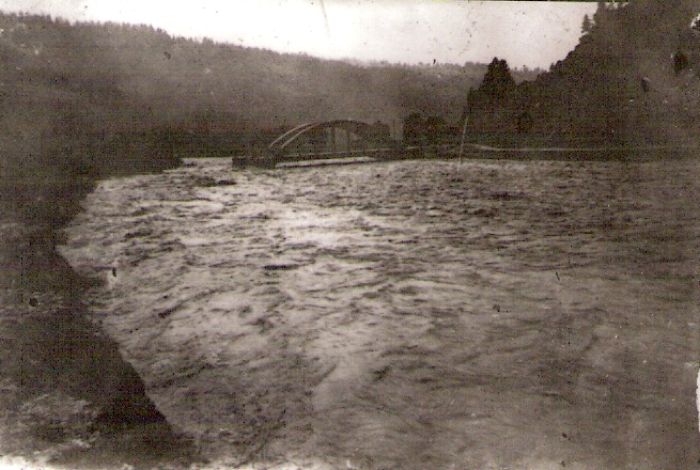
(524,33)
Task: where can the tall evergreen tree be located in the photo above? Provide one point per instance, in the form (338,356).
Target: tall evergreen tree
(498,81)
(587,25)
(600,13)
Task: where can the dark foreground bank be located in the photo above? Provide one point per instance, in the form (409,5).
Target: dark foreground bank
(67,396)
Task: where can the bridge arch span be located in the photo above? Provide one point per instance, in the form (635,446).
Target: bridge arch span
(340,135)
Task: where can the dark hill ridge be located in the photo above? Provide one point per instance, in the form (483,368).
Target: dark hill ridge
(111,79)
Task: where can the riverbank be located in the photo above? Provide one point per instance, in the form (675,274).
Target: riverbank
(68,397)
(574,153)
(478,151)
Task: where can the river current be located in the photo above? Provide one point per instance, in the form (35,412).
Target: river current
(409,315)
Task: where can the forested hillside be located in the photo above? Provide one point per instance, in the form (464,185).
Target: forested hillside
(84,99)
(633,79)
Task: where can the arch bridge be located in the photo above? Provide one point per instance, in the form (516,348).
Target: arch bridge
(337,139)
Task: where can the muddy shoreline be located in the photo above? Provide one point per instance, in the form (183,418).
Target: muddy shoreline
(68,399)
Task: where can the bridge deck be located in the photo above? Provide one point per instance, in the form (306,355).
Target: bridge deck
(272,161)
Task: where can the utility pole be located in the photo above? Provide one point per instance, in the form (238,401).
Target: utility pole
(464,133)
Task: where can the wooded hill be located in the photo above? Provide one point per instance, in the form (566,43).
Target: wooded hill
(633,79)
(122,78)
(89,99)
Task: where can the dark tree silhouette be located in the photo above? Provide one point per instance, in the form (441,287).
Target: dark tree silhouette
(435,129)
(587,25)
(525,122)
(600,13)
(489,106)
(413,129)
(498,82)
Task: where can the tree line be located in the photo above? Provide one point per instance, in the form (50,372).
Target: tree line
(84,99)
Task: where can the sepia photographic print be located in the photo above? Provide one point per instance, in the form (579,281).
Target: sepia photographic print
(349,234)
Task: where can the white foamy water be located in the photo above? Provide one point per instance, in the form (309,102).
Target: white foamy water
(409,315)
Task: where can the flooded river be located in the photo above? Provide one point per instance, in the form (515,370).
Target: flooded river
(409,315)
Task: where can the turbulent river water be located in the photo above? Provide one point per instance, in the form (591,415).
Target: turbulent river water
(409,315)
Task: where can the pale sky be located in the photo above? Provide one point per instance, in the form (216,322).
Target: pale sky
(412,31)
